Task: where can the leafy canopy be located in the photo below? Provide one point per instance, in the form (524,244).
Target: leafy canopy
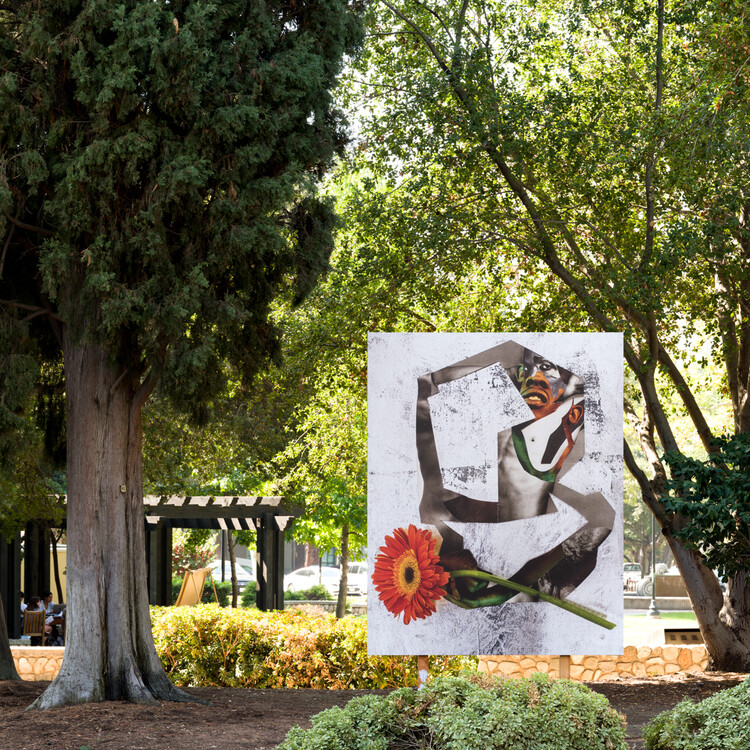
(712,494)
(157,169)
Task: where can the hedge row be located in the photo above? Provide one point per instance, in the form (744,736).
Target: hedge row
(209,645)
(470,713)
(721,722)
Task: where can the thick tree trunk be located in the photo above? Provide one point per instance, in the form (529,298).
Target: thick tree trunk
(7,665)
(109,651)
(344,584)
(724,620)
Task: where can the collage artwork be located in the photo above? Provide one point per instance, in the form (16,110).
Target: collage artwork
(495,493)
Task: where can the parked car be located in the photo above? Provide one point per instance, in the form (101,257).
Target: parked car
(357,579)
(312,575)
(245,573)
(630,572)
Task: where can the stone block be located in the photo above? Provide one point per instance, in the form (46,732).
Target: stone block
(527,663)
(591,662)
(589,675)
(576,670)
(644,652)
(700,655)
(655,670)
(542,666)
(630,653)
(670,653)
(671,668)
(639,669)
(23,666)
(40,666)
(607,666)
(507,667)
(577,659)
(685,658)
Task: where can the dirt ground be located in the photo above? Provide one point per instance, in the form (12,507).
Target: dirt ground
(259,719)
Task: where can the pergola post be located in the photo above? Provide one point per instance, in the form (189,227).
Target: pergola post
(10,583)
(270,567)
(159,563)
(36,567)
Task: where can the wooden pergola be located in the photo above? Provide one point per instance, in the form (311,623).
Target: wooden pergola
(270,516)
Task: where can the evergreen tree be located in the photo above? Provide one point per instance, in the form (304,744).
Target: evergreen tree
(157,166)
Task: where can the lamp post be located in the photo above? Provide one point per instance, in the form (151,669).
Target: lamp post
(653,610)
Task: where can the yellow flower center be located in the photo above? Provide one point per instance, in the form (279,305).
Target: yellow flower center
(406,574)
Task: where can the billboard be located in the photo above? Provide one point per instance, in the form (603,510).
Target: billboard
(495,493)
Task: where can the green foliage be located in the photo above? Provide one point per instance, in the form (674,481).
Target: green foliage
(315,593)
(247,598)
(721,722)
(470,713)
(158,164)
(207,645)
(223,591)
(712,494)
(191,549)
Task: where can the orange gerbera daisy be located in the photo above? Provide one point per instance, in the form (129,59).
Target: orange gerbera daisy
(407,575)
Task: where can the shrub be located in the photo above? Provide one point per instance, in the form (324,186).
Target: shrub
(314,594)
(721,722)
(470,713)
(248,595)
(223,591)
(207,645)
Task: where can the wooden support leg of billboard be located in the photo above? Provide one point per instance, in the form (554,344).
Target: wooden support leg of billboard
(423,670)
(564,667)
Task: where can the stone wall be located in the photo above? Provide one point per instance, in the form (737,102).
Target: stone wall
(35,663)
(636,661)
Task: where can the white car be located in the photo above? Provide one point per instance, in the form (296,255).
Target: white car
(357,579)
(245,573)
(305,578)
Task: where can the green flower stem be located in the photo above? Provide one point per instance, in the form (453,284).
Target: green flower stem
(576,609)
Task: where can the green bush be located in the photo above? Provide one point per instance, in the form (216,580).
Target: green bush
(248,595)
(206,645)
(315,593)
(470,713)
(223,591)
(721,722)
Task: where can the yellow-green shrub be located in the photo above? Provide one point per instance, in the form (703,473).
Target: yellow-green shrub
(209,645)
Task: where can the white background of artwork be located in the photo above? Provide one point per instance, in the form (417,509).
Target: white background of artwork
(466,421)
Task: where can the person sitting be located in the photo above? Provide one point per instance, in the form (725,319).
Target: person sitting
(22,596)
(50,627)
(47,601)
(34,605)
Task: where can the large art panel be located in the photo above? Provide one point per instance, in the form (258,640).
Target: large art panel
(495,493)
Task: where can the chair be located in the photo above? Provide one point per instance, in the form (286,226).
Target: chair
(193,583)
(33,624)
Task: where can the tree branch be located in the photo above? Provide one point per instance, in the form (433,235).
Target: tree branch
(29,227)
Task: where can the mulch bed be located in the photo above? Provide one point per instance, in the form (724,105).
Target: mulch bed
(240,719)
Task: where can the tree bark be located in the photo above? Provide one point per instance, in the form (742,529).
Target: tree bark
(109,653)
(7,665)
(344,583)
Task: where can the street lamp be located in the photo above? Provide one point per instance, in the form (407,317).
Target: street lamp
(653,610)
